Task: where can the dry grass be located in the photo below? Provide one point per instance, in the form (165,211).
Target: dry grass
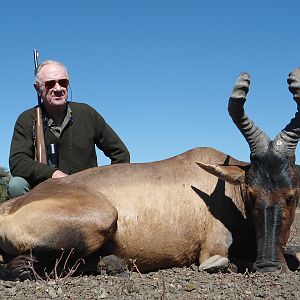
(61,269)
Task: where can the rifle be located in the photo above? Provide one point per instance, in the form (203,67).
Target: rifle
(40,149)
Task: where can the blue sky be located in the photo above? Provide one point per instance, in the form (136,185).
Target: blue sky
(159,72)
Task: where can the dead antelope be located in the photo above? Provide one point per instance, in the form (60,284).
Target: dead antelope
(168,213)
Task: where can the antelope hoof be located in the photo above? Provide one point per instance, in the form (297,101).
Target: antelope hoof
(214,264)
(112,265)
(20,267)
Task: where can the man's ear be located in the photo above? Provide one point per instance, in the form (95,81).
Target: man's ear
(37,87)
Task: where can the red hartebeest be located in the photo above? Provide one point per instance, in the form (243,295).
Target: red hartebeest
(171,212)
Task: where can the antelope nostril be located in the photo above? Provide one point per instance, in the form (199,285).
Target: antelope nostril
(267,266)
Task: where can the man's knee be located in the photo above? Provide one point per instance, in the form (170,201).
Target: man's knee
(18,186)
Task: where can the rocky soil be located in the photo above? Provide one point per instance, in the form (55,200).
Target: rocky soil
(176,283)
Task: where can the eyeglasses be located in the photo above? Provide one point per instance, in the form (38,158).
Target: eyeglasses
(51,83)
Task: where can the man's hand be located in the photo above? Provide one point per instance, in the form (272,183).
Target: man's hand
(58,174)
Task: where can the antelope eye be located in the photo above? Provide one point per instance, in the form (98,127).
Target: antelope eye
(252,197)
(252,200)
(290,200)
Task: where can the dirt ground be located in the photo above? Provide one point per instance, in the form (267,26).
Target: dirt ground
(176,283)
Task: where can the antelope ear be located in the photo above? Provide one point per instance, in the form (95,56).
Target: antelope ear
(232,174)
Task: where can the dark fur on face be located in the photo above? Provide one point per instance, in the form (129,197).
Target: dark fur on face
(273,192)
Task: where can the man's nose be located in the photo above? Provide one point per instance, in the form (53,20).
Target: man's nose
(57,87)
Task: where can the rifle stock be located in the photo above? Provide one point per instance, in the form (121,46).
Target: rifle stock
(40,148)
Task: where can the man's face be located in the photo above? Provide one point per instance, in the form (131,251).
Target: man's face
(55,85)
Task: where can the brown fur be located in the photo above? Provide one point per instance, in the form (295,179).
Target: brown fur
(152,212)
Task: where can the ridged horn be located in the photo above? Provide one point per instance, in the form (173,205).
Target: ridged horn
(286,141)
(257,140)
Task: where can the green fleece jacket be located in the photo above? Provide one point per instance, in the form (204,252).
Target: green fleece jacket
(76,144)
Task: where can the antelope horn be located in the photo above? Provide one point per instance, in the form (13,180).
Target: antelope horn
(257,140)
(286,141)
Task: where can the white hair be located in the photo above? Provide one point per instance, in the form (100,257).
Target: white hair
(37,72)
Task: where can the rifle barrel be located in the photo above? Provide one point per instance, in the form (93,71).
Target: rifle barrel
(40,147)
(35,58)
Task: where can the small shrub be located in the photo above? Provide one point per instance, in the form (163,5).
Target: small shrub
(4,179)
(3,193)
